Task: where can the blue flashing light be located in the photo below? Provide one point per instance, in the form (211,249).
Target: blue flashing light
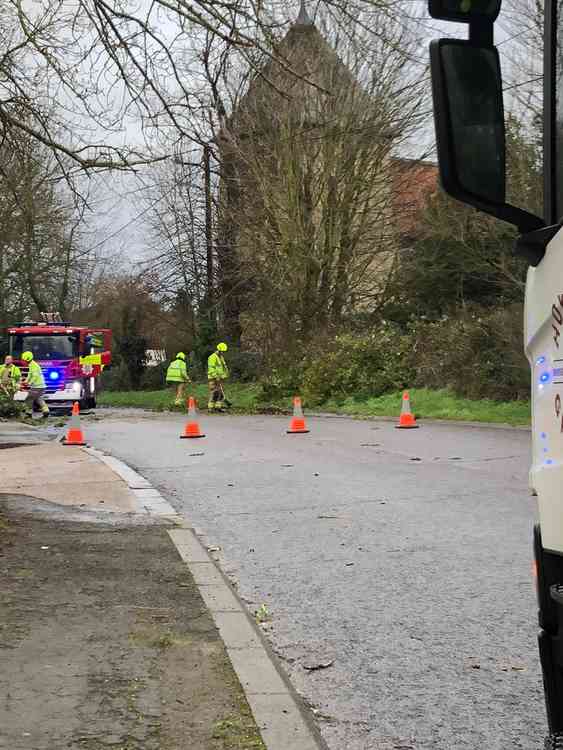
(540,360)
(543,435)
(544,377)
(54,375)
(549,461)
(545,450)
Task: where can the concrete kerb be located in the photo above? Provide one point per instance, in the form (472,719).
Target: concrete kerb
(149,500)
(278,711)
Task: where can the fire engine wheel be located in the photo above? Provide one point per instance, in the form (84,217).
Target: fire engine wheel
(88,402)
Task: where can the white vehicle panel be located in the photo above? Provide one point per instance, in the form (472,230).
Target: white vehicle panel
(544,350)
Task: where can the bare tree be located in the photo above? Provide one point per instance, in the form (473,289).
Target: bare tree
(108,64)
(177,224)
(306,230)
(42,254)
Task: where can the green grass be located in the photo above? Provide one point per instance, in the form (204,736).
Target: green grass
(436,404)
(243,396)
(426,404)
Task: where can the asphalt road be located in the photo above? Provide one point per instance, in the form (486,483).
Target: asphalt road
(403,557)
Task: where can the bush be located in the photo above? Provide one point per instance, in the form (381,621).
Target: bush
(358,366)
(281,383)
(154,378)
(197,366)
(243,366)
(9,408)
(116,378)
(479,355)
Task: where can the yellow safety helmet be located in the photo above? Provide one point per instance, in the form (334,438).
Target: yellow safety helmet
(27,356)
(181,355)
(222,347)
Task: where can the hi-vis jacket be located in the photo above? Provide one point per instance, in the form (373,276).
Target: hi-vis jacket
(217,367)
(35,377)
(177,372)
(10,374)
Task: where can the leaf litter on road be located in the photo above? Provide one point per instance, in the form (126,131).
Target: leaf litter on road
(262,614)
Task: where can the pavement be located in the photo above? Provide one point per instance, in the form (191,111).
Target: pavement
(393,567)
(117,628)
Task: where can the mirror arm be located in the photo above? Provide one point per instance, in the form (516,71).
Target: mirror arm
(481,33)
(532,245)
(523,220)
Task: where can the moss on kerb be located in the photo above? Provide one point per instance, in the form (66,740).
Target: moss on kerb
(237,731)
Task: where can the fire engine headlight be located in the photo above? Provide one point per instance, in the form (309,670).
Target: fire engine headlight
(77,386)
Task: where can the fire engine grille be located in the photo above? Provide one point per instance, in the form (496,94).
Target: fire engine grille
(54,378)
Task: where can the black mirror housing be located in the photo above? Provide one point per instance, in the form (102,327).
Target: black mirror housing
(469,118)
(470,133)
(465,11)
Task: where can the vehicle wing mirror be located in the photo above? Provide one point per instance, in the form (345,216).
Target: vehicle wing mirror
(465,11)
(470,133)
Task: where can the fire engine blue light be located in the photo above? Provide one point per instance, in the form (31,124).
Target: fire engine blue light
(54,375)
(549,461)
(544,377)
(540,360)
(543,435)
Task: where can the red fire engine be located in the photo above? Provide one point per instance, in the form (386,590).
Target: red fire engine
(71,357)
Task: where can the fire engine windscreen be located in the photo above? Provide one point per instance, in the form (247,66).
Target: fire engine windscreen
(52,347)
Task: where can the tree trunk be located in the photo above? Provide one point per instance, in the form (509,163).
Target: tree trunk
(230,281)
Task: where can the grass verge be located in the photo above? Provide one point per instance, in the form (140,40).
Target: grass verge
(427,404)
(436,404)
(243,396)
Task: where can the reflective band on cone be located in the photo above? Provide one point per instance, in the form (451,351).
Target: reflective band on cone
(74,435)
(297,425)
(192,430)
(406,420)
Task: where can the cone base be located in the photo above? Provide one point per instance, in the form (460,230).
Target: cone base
(74,436)
(297,432)
(407,426)
(192,430)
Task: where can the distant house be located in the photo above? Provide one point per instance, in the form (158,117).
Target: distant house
(414,183)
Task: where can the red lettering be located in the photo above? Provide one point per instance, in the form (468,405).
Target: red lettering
(556,335)
(560,299)
(556,313)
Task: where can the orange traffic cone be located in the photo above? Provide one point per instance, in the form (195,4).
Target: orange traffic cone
(74,435)
(406,420)
(297,424)
(191,430)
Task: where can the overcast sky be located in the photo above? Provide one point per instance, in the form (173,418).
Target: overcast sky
(118,220)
